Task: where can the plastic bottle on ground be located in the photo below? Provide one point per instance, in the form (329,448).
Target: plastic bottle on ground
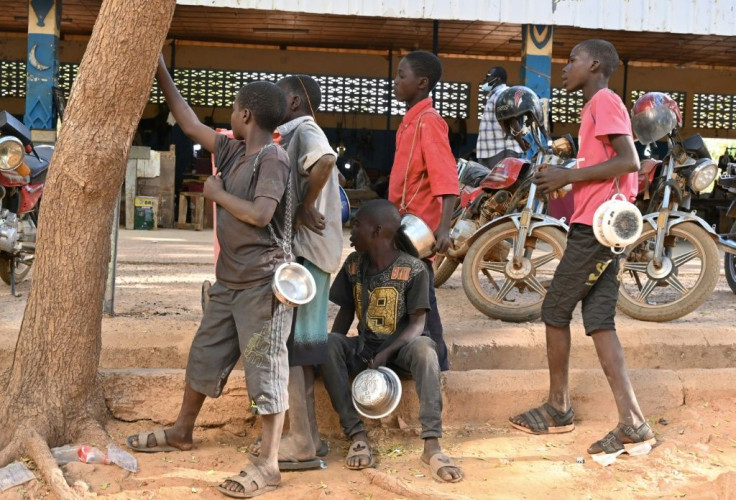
(65,454)
(92,455)
(122,458)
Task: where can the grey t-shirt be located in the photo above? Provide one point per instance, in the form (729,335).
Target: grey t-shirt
(306,143)
(248,254)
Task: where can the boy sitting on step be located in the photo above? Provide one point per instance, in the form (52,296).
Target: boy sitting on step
(388,291)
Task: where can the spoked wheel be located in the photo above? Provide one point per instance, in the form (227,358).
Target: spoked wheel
(505,290)
(686,278)
(443,267)
(729,266)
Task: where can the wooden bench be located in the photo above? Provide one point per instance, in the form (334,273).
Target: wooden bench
(197,217)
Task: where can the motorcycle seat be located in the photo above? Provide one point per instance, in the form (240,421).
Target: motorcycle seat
(38,166)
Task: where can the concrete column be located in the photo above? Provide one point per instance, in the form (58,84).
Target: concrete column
(536,62)
(44,21)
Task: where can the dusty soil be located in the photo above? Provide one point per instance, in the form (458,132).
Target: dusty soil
(695,458)
(157,304)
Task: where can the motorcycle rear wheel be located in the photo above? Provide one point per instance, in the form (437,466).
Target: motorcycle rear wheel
(681,291)
(729,266)
(21,271)
(443,267)
(515,300)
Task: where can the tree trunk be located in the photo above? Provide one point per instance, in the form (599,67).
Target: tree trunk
(53,393)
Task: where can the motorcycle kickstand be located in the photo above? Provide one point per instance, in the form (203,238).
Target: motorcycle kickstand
(12,278)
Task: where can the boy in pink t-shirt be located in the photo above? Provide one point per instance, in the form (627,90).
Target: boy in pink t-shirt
(588,271)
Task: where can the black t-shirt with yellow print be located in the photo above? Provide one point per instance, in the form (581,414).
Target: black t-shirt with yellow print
(392,295)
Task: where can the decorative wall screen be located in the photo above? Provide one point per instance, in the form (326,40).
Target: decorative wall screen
(12,79)
(715,111)
(566,107)
(217,88)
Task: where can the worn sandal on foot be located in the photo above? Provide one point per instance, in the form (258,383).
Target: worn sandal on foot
(247,478)
(360,449)
(159,435)
(637,441)
(536,423)
(437,462)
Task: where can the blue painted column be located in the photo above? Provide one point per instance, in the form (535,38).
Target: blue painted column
(536,62)
(42,66)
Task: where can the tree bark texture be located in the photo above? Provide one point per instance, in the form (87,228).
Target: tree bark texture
(52,388)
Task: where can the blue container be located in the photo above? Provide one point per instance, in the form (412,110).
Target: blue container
(345,205)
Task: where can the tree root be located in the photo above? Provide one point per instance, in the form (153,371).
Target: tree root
(90,431)
(9,453)
(399,487)
(40,453)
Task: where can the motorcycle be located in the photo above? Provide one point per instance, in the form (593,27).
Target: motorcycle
(509,260)
(23,169)
(728,182)
(477,204)
(511,256)
(673,267)
(486,194)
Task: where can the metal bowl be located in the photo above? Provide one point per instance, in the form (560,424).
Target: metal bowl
(376,393)
(416,237)
(293,284)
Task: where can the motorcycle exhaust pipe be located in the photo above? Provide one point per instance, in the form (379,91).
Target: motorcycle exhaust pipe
(727,242)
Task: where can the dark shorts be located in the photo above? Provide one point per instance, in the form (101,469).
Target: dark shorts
(588,271)
(251,323)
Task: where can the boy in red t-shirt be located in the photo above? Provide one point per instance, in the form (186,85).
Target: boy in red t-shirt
(588,270)
(423,178)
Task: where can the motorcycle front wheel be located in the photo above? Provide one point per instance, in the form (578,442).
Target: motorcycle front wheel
(443,267)
(729,266)
(21,270)
(686,279)
(488,273)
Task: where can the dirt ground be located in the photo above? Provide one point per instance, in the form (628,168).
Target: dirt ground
(695,459)
(158,294)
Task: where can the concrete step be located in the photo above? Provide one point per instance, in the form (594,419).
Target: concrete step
(648,346)
(155,395)
(501,347)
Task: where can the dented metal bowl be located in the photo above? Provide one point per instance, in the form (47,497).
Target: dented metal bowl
(293,284)
(416,236)
(376,393)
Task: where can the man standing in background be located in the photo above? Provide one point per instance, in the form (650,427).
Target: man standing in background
(493,145)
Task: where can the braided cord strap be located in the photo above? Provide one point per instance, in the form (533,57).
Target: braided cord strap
(285,243)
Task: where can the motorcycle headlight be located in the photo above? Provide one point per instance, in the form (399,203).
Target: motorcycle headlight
(11,153)
(703,175)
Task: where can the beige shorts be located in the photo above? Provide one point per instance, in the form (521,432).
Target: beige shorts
(251,323)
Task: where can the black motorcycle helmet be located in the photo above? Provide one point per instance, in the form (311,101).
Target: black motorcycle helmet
(519,111)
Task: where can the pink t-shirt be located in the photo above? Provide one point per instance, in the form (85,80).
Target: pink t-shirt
(602,116)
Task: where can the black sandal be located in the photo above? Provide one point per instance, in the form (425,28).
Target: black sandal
(639,442)
(537,424)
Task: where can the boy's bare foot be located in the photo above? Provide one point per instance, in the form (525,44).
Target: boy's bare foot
(441,466)
(360,455)
(253,480)
(161,440)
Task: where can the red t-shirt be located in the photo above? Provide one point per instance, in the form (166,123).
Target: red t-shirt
(432,172)
(602,116)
